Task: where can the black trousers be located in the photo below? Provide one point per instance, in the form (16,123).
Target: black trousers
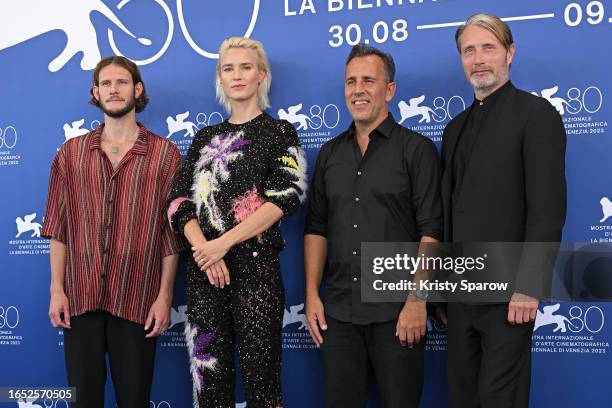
(351,353)
(246,316)
(131,359)
(489,360)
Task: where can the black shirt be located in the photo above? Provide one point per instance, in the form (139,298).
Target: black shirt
(479,113)
(391,194)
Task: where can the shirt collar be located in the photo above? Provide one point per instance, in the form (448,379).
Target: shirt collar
(141,145)
(489,100)
(385,128)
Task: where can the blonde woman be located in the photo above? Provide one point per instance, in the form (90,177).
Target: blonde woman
(239,179)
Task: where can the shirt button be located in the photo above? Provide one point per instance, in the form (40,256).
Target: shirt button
(359,173)
(355,279)
(354,225)
(354,252)
(255,254)
(356,199)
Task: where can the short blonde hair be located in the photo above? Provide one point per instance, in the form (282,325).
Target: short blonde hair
(262,63)
(492,24)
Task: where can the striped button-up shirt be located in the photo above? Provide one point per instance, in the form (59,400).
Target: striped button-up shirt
(113,222)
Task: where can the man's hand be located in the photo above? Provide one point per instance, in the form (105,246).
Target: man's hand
(522,309)
(160,314)
(315,318)
(412,323)
(58,306)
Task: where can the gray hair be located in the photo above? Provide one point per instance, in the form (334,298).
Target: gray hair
(492,24)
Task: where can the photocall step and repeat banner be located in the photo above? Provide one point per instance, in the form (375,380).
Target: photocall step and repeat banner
(48,50)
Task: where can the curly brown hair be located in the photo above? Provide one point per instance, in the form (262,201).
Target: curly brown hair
(141,101)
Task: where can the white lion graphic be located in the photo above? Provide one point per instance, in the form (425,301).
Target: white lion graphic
(25,19)
(74,130)
(178,124)
(178,316)
(548,317)
(294,316)
(27,403)
(412,108)
(292,115)
(26,224)
(556,101)
(606,208)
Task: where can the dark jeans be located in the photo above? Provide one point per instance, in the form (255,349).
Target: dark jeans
(352,352)
(131,359)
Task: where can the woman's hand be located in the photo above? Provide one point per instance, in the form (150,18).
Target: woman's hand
(210,252)
(209,257)
(218,274)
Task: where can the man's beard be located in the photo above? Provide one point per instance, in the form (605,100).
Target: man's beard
(119,113)
(484,83)
(492,80)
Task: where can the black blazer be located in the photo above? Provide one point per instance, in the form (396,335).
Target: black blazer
(514,187)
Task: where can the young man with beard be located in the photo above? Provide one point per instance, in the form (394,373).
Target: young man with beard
(503,181)
(113,255)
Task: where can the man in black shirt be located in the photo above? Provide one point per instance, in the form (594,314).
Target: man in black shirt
(376,182)
(503,181)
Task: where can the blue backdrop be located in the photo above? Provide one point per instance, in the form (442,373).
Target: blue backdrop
(47,53)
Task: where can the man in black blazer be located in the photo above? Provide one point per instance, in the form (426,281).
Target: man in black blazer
(503,181)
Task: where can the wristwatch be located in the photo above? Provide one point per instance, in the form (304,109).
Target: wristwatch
(422,294)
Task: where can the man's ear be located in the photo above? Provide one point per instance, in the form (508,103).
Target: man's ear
(138,90)
(391,87)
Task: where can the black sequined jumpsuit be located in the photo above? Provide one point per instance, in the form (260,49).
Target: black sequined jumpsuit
(230,171)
